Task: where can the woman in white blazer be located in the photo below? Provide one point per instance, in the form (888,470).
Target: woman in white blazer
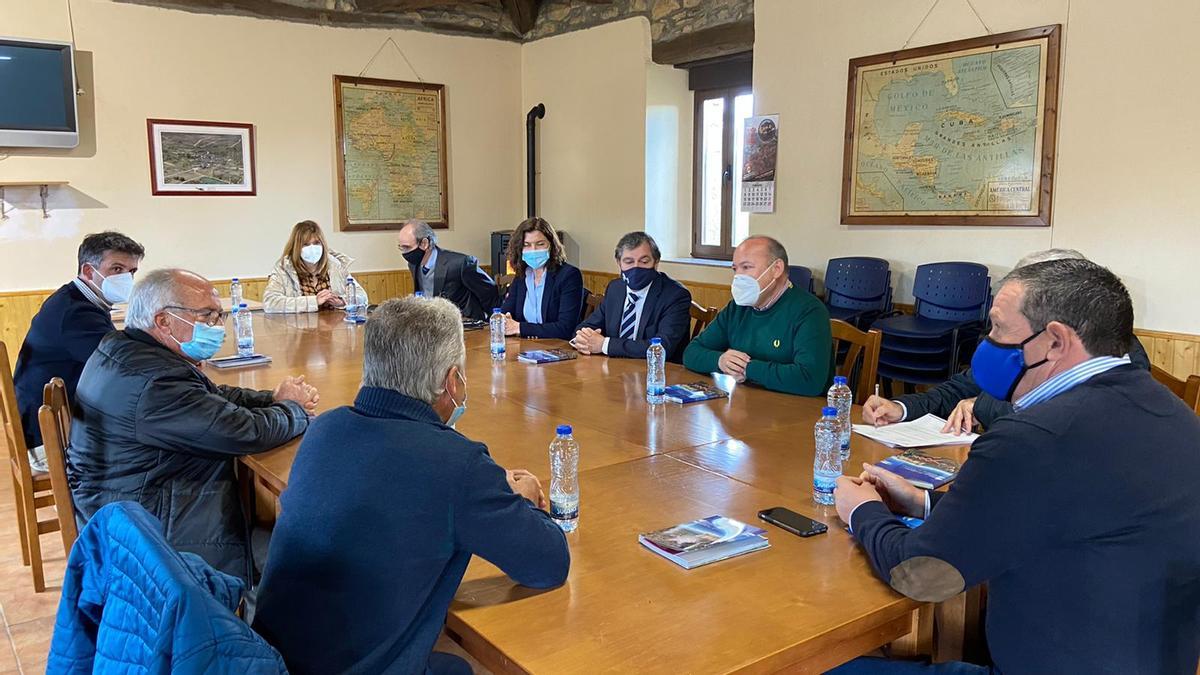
(309,276)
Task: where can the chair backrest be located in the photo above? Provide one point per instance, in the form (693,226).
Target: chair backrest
(862,355)
(55,419)
(801,277)
(10,418)
(1191,394)
(591,303)
(858,283)
(1166,379)
(503,281)
(953,291)
(701,317)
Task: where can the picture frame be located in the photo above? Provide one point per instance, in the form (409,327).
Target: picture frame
(198,158)
(958,133)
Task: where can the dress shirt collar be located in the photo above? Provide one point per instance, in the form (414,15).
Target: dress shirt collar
(1069,379)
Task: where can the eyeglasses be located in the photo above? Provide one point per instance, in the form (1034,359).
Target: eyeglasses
(208,317)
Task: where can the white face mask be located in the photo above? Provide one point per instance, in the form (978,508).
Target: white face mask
(116,288)
(312,253)
(745,288)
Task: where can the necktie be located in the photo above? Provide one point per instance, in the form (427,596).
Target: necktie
(628,323)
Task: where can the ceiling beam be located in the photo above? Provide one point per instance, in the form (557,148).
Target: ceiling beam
(722,40)
(524,13)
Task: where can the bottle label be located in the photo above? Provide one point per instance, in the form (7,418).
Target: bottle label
(498,348)
(655,389)
(561,511)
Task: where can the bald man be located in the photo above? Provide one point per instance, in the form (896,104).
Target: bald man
(150,427)
(772,333)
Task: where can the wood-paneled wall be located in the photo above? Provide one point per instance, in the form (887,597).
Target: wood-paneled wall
(1178,353)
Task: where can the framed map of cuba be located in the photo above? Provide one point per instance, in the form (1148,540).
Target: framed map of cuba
(391,153)
(961,133)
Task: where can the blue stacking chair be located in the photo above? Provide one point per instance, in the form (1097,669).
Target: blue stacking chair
(857,289)
(952,302)
(801,277)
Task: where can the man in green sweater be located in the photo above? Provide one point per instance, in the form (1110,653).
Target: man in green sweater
(773,333)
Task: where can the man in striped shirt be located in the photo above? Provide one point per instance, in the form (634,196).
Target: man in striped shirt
(1080,510)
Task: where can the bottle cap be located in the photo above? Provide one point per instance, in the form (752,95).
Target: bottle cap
(829,411)
(495,310)
(563,430)
(839,379)
(656,341)
(419,294)
(242,306)
(234,279)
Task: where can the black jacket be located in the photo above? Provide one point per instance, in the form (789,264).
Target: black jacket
(458,278)
(62,336)
(941,399)
(666,314)
(1082,516)
(149,427)
(562,303)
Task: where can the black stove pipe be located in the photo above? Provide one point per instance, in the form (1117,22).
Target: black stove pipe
(536,112)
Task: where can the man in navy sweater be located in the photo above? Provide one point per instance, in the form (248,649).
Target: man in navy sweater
(1080,510)
(70,323)
(386,504)
(642,303)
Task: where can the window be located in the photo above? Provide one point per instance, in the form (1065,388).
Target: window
(717,224)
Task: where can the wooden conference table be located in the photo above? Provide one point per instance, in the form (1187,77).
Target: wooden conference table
(802,605)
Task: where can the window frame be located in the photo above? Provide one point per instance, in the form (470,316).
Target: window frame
(724,250)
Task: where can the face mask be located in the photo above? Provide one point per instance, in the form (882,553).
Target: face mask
(414,257)
(117,287)
(998,367)
(536,259)
(745,288)
(312,253)
(638,278)
(206,340)
(459,410)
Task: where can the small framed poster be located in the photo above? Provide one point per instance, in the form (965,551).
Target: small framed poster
(201,158)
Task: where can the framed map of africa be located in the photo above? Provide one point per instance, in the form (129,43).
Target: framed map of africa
(961,133)
(391,154)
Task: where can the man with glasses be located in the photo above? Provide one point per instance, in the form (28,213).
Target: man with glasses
(772,333)
(150,427)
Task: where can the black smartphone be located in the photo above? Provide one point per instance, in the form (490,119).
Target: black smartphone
(792,522)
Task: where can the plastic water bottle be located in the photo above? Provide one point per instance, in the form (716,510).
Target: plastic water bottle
(827,461)
(419,294)
(656,371)
(496,324)
(842,398)
(564,479)
(235,292)
(354,309)
(244,324)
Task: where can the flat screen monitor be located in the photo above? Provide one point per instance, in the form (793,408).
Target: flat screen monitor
(37,94)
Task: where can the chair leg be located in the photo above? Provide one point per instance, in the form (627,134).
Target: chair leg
(21,520)
(35,543)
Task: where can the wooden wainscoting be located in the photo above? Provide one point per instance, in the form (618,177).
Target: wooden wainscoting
(1178,353)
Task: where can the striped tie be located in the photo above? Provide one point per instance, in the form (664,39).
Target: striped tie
(628,323)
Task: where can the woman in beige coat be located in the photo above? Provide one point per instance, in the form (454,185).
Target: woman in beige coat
(308,276)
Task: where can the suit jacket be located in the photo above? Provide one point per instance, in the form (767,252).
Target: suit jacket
(457,278)
(666,314)
(62,336)
(562,302)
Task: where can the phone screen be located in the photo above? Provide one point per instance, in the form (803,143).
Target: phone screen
(792,522)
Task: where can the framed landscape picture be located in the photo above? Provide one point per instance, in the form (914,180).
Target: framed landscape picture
(391,153)
(961,133)
(201,158)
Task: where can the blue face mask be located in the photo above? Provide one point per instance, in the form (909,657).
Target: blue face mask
(638,278)
(536,259)
(206,340)
(459,409)
(998,367)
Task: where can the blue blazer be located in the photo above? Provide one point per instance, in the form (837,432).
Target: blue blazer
(666,314)
(562,303)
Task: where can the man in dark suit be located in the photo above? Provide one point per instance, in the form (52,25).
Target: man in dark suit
(66,330)
(642,303)
(439,273)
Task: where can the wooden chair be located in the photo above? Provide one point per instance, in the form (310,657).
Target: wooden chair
(593,302)
(32,491)
(502,283)
(859,344)
(1188,390)
(55,419)
(701,317)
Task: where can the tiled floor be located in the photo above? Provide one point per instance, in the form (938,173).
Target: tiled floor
(28,617)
